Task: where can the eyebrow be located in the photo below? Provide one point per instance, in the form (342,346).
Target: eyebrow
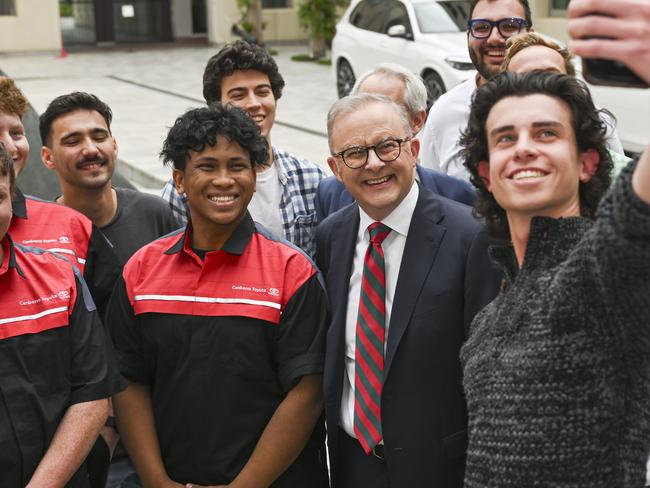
(244,88)
(508,128)
(77,133)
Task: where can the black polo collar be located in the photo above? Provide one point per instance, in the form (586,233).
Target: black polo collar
(8,246)
(18,204)
(236,243)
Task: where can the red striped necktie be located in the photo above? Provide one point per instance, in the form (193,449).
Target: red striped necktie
(369,343)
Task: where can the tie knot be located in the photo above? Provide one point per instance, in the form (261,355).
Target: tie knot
(378,232)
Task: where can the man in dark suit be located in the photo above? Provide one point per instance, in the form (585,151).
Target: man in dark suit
(406,89)
(406,271)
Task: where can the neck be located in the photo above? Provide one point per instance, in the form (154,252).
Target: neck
(269,159)
(519,232)
(210,237)
(480,81)
(99,205)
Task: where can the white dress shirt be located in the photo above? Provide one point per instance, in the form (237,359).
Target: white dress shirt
(399,221)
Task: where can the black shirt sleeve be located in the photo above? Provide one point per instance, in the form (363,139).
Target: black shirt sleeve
(101,269)
(300,338)
(121,323)
(94,372)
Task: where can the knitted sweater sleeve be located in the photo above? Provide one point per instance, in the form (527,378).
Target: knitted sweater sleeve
(622,262)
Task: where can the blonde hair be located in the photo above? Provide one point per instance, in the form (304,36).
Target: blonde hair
(521,41)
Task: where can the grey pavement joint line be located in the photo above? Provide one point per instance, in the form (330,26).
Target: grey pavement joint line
(192,99)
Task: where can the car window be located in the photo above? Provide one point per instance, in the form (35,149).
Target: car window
(396,14)
(435,17)
(369,15)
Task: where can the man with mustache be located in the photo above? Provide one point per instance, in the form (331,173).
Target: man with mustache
(80,148)
(490,24)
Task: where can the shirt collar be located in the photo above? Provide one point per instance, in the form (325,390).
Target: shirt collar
(18,204)
(236,243)
(9,256)
(399,220)
(283,176)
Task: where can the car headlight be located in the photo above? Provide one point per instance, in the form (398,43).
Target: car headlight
(460,63)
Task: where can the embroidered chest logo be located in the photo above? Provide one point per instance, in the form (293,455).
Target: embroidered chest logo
(60,295)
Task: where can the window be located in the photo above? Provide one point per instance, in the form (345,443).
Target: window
(558,8)
(396,14)
(369,15)
(276,3)
(437,17)
(7,7)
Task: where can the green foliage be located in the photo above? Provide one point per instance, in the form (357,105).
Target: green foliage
(65,10)
(318,17)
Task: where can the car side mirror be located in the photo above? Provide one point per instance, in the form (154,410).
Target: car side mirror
(399,30)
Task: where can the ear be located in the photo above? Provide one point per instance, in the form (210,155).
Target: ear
(415,150)
(484,173)
(418,122)
(179,180)
(589,161)
(47,158)
(115,146)
(334,166)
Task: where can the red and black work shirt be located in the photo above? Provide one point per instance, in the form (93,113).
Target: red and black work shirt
(220,341)
(53,353)
(58,228)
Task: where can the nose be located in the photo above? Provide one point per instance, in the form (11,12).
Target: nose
(374,163)
(252,102)
(495,36)
(89,148)
(524,149)
(222,179)
(9,144)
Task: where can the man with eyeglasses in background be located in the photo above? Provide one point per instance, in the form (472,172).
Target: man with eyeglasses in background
(406,270)
(490,24)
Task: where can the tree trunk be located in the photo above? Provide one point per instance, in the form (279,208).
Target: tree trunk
(317,46)
(255,18)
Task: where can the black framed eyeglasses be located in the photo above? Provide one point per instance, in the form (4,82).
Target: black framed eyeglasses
(356,157)
(508,27)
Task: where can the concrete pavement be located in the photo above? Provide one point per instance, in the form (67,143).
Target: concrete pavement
(148,87)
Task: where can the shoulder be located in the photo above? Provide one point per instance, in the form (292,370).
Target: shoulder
(452,214)
(329,185)
(140,201)
(52,213)
(151,254)
(460,93)
(295,165)
(44,263)
(339,221)
(447,186)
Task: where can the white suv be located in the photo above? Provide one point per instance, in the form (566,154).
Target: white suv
(426,36)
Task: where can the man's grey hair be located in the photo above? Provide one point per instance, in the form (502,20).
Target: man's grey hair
(352,103)
(415,93)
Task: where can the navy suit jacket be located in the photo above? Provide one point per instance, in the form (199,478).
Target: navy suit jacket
(332,195)
(445,278)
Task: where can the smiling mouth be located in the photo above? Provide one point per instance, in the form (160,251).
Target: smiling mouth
(528,174)
(495,52)
(222,198)
(378,181)
(258,119)
(91,165)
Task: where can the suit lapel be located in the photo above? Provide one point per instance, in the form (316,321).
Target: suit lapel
(422,243)
(342,244)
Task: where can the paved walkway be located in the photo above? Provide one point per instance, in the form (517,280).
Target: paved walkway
(148,87)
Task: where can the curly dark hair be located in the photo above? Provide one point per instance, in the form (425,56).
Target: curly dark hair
(64,104)
(524,3)
(239,56)
(585,118)
(201,127)
(7,168)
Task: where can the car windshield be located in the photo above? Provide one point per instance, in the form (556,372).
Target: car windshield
(436,17)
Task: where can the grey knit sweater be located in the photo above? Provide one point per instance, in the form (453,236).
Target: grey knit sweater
(557,367)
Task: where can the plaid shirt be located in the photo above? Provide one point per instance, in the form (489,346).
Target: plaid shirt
(299,180)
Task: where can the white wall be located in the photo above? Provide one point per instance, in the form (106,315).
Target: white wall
(35,27)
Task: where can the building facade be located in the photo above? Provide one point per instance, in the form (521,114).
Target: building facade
(106,22)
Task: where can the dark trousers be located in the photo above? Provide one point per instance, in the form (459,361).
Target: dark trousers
(355,468)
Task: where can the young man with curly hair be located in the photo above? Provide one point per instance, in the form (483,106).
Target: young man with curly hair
(246,76)
(220,329)
(556,367)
